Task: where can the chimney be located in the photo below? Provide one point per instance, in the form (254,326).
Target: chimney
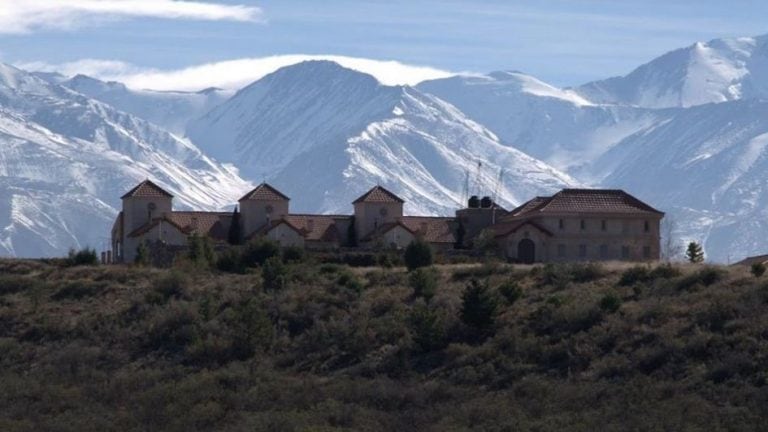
(474,202)
(109,257)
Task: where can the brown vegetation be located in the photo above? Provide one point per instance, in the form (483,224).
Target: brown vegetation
(329,347)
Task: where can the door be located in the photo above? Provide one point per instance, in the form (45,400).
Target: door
(526,251)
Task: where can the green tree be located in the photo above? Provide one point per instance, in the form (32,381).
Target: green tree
(274,273)
(427,328)
(258,251)
(478,306)
(142,255)
(757,269)
(424,282)
(418,254)
(80,257)
(234,236)
(694,253)
(200,250)
(485,242)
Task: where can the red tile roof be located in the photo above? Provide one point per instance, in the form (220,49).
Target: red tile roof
(585,201)
(429,229)
(147,189)
(506,228)
(378,195)
(264,192)
(212,224)
(321,228)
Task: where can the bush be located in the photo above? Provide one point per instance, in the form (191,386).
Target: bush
(511,291)
(348,280)
(230,261)
(200,250)
(417,254)
(583,273)
(610,303)
(706,277)
(274,273)
(293,254)
(757,269)
(424,282)
(427,328)
(258,251)
(478,306)
(77,290)
(171,285)
(634,275)
(83,257)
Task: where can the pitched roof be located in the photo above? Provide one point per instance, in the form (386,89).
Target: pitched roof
(212,224)
(429,229)
(147,189)
(264,192)
(753,260)
(585,201)
(320,228)
(507,228)
(378,194)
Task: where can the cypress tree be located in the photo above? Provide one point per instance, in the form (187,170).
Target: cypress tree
(352,233)
(461,232)
(234,236)
(694,253)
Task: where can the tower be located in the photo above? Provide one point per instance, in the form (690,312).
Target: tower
(375,208)
(261,206)
(142,204)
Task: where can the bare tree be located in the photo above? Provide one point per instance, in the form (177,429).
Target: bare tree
(671,246)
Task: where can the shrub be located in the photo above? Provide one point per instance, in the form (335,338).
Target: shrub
(424,282)
(83,257)
(706,277)
(171,285)
(634,275)
(348,280)
(511,291)
(252,329)
(293,254)
(582,273)
(274,273)
(11,284)
(427,328)
(417,254)
(142,255)
(610,303)
(230,261)
(258,251)
(200,250)
(77,290)
(757,269)
(478,306)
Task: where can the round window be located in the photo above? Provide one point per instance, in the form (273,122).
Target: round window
(268,209)
(151,206)
(383,211)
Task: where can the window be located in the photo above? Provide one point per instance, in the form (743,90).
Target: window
(583,224)
(582,251)
(625,252)
(561,224)
(604,251)
(646,252)
(646,226)
(603,225)
(561,250)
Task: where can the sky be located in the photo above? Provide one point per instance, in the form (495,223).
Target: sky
(190,45)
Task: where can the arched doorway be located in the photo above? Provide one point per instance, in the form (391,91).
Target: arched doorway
(526,251)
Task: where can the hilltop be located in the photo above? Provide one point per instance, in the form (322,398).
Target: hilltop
(579,347)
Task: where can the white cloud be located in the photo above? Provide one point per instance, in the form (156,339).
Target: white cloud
(232,74)
(23,16)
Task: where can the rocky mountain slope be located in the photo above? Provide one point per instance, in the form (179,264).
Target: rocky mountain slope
(324,134)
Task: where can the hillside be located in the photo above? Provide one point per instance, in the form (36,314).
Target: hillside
(579,348)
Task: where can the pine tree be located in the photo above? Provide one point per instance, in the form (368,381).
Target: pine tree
(234,236)
(694,253)
(417,254)
(478,307)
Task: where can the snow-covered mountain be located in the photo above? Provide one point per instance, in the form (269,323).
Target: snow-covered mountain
(170,110)
(716,71)
(65,160)
(554,125)
(324,134)
(708,166)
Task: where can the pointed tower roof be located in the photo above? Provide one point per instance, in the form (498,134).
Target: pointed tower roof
(378,195)
(264,192)
(147,189)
